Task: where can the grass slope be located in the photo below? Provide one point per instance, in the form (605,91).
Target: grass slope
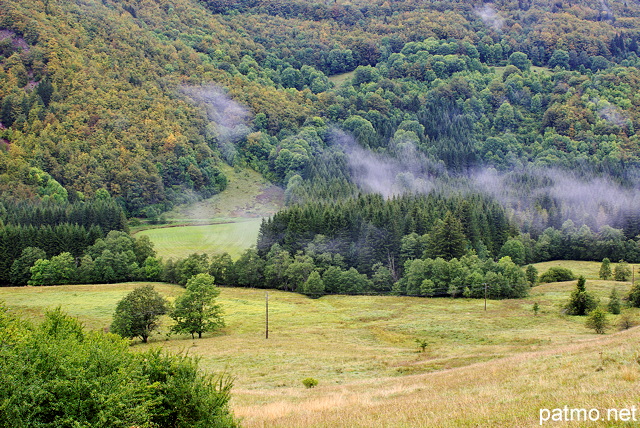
(494,368)
(248,195)
(227,222)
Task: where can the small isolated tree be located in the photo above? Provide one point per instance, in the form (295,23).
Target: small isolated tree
(622,272)
(137,313)
(581,302)
(422,344)
(626,321)
(195,311)
(536,308)
(614,302)
(605,269)
(597,320)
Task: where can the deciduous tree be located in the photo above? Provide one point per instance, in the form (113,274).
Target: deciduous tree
(196,311)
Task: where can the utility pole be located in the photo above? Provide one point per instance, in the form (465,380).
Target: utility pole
(266,313)
(485,297)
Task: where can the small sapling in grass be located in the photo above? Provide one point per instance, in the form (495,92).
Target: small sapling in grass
(310,382)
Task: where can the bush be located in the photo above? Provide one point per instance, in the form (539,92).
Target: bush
(597,320)
(622,272)
(634,295)
(626,321)
(310,382)
(59,375)
(557,274)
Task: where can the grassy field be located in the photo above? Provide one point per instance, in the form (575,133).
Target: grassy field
(227,222)
(247,196)
(493,368)
(179,242)
(339,79)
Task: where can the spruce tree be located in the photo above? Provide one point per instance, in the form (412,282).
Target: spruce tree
(581,302)
(447,239)
(622,272)
(532,275)
(614,302)
(605,269)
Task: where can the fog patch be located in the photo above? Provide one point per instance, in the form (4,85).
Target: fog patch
(490,16)
(408,171)
(229,120)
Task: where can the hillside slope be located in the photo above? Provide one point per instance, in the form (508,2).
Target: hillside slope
(147,99)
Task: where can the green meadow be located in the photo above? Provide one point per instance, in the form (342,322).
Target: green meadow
(506,361)
(226,222)
(179,242)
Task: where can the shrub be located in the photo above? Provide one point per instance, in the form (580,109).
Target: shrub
(597,320)
(622,272)
(557,274)
(634,295)
(310,382)
(626,321)
(57,374)
(536,308)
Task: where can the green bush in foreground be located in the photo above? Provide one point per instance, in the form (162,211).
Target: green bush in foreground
(58,375)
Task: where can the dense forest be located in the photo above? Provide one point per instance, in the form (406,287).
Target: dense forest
(507,122)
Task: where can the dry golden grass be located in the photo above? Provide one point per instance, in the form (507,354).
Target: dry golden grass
(484,369)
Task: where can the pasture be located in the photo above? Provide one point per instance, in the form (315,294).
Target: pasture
(226,222)
(178,242)
(493,368)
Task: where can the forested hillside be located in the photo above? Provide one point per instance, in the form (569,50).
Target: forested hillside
(533,104)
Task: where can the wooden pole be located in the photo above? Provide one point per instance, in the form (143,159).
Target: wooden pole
(485,297)
(266,313)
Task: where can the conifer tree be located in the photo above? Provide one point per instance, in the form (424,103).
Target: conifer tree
(605,269)
(447,239)
(581,302)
